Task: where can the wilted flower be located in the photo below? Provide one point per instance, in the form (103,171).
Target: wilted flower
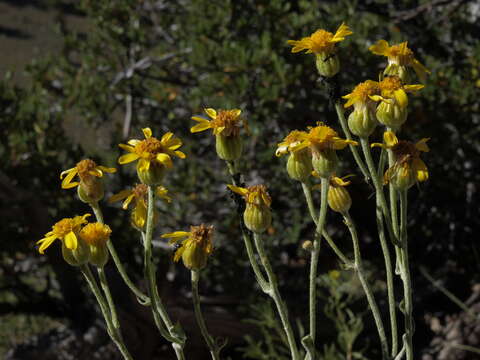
(96,236)
(196,246)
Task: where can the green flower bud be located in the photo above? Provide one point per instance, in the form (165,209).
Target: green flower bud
(362,122)
(325,162)
(99,255)
(154,175)
(91,191)
(257,218)
(328,65)
(339,199)
(391,115)
(76,257)
(228,148)
(403,177)
(299,165)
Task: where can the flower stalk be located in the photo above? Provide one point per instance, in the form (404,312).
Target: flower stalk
(213,347)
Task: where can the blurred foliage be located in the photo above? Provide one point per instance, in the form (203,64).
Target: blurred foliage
(156,63)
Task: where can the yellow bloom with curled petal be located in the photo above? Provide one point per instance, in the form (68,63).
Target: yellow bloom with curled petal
(139,195)
(154,156)
(360,96)
(293,139)
(299,163)
(96,236)
(338,197)
(66,230)
(399,57)
(225,122)
(90,188)
(408,167)
(321,41)
(322,44)
(196,246)
(257,215)
(86,170)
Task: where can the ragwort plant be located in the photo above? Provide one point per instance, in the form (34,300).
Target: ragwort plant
(313,161)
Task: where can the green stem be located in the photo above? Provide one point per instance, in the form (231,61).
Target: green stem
(113,331)
(366,286)
(108,295)
(378,188)
(405,276)
(160,315)
(143,299)
(389,271)
(274,293)
(466,348)
(312,302)
(343,123)
(307,191)
(214,349)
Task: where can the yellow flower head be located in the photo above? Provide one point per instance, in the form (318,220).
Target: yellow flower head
(360,96)
(66,230)
(138,194)
(290,142)
(87,170)
(255,195)
(152,151)
(399,55)
(95,234)
(393,91)
(196,245)
(407,158)
(321,41)
(225,122)
(320,138)
(338,197)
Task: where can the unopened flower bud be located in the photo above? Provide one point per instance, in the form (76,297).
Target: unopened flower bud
(228,148)
(325,162)
(403,177)
(96,236)
(153,175)
(391,115)
(78,256)
(90,191)
(362,122)
(328,65)
(339,199)
(257,218)
(299,165)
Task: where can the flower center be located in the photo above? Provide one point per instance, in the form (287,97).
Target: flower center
(390,83)
(399,54)
(258,195)
(95,234)
(63,227)
(363,90)
(84,167)
(229,120)
(321,136)
(201,234)
(151,146)
(321,41)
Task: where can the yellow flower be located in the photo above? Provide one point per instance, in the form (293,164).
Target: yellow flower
(320,138)
(96,236)
(66,230)
(321,41)
(138,194)
(360,96)
(408,167)
(362,121)
(257,215)
(393,91)
(299,163)
(399,56)
(90,188)
(196,246)
(225,122)
(255,195)
(152,154)
(290,142)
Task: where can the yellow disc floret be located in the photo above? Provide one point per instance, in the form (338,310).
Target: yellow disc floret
(321,41)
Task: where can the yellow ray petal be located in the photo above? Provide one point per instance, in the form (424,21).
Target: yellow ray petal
(67,182)
(107,169)
(422,145)
(45,243)
(211,112)
(176,234)
(128,148)
(127,158)
(63,173)
(420,169)
(167,136)
(238,190)
(165,159)
(342,31)
(201,127)
(390,139)
(401,98)
(147,132)
(127,201)
(379,48)
(71,241)
(120,196)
